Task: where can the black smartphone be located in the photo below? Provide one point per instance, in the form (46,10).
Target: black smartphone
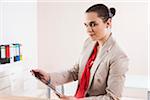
(37,74)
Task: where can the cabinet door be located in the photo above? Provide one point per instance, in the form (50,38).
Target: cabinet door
(5,84)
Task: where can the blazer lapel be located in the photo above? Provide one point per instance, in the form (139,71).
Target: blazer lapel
(86,55)
(100,56)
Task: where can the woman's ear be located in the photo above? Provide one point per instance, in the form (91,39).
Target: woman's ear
(109,23)
(108,26)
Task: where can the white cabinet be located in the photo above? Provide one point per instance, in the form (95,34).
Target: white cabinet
(16,79)
(30,84)
(5,85)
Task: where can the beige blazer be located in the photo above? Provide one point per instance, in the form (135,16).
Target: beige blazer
(107,73)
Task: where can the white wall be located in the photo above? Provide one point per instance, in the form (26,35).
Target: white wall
(0,21)
(60,34)
(149,46)
(20,26)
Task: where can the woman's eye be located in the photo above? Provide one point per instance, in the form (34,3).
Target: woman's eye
(93,24)
(85,24)
(90,24)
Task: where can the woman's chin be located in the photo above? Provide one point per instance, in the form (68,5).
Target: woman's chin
(93,39)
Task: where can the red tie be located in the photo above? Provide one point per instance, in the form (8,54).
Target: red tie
(84,82)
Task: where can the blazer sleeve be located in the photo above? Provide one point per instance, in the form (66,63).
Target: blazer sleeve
(116,80)
(59,78)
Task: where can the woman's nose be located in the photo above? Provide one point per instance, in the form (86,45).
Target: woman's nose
(89,29)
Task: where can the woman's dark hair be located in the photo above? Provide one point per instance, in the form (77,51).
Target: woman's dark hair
(103,11)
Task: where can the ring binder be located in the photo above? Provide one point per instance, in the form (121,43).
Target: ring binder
(10,53)
(17,52)
(3,54)
(7,53)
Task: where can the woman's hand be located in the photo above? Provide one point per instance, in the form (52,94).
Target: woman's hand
(68,98)
(40,74)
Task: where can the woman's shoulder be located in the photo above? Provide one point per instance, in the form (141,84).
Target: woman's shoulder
(87,40)
(118,52)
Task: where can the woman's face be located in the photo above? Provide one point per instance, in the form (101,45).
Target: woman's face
(95,26)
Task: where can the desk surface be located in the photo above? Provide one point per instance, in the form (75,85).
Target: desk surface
(53,97)
(19,98)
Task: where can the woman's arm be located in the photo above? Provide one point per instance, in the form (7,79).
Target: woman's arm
(59,78)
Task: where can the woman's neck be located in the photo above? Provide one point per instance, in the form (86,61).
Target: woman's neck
(103,40)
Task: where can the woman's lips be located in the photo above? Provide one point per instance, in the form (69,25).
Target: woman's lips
(91,35)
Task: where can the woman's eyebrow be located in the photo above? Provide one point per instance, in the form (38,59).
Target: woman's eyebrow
(90,22)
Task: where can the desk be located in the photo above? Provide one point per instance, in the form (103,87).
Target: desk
(53,97)
(19,98)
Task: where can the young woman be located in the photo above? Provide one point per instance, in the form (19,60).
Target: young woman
(102,66)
